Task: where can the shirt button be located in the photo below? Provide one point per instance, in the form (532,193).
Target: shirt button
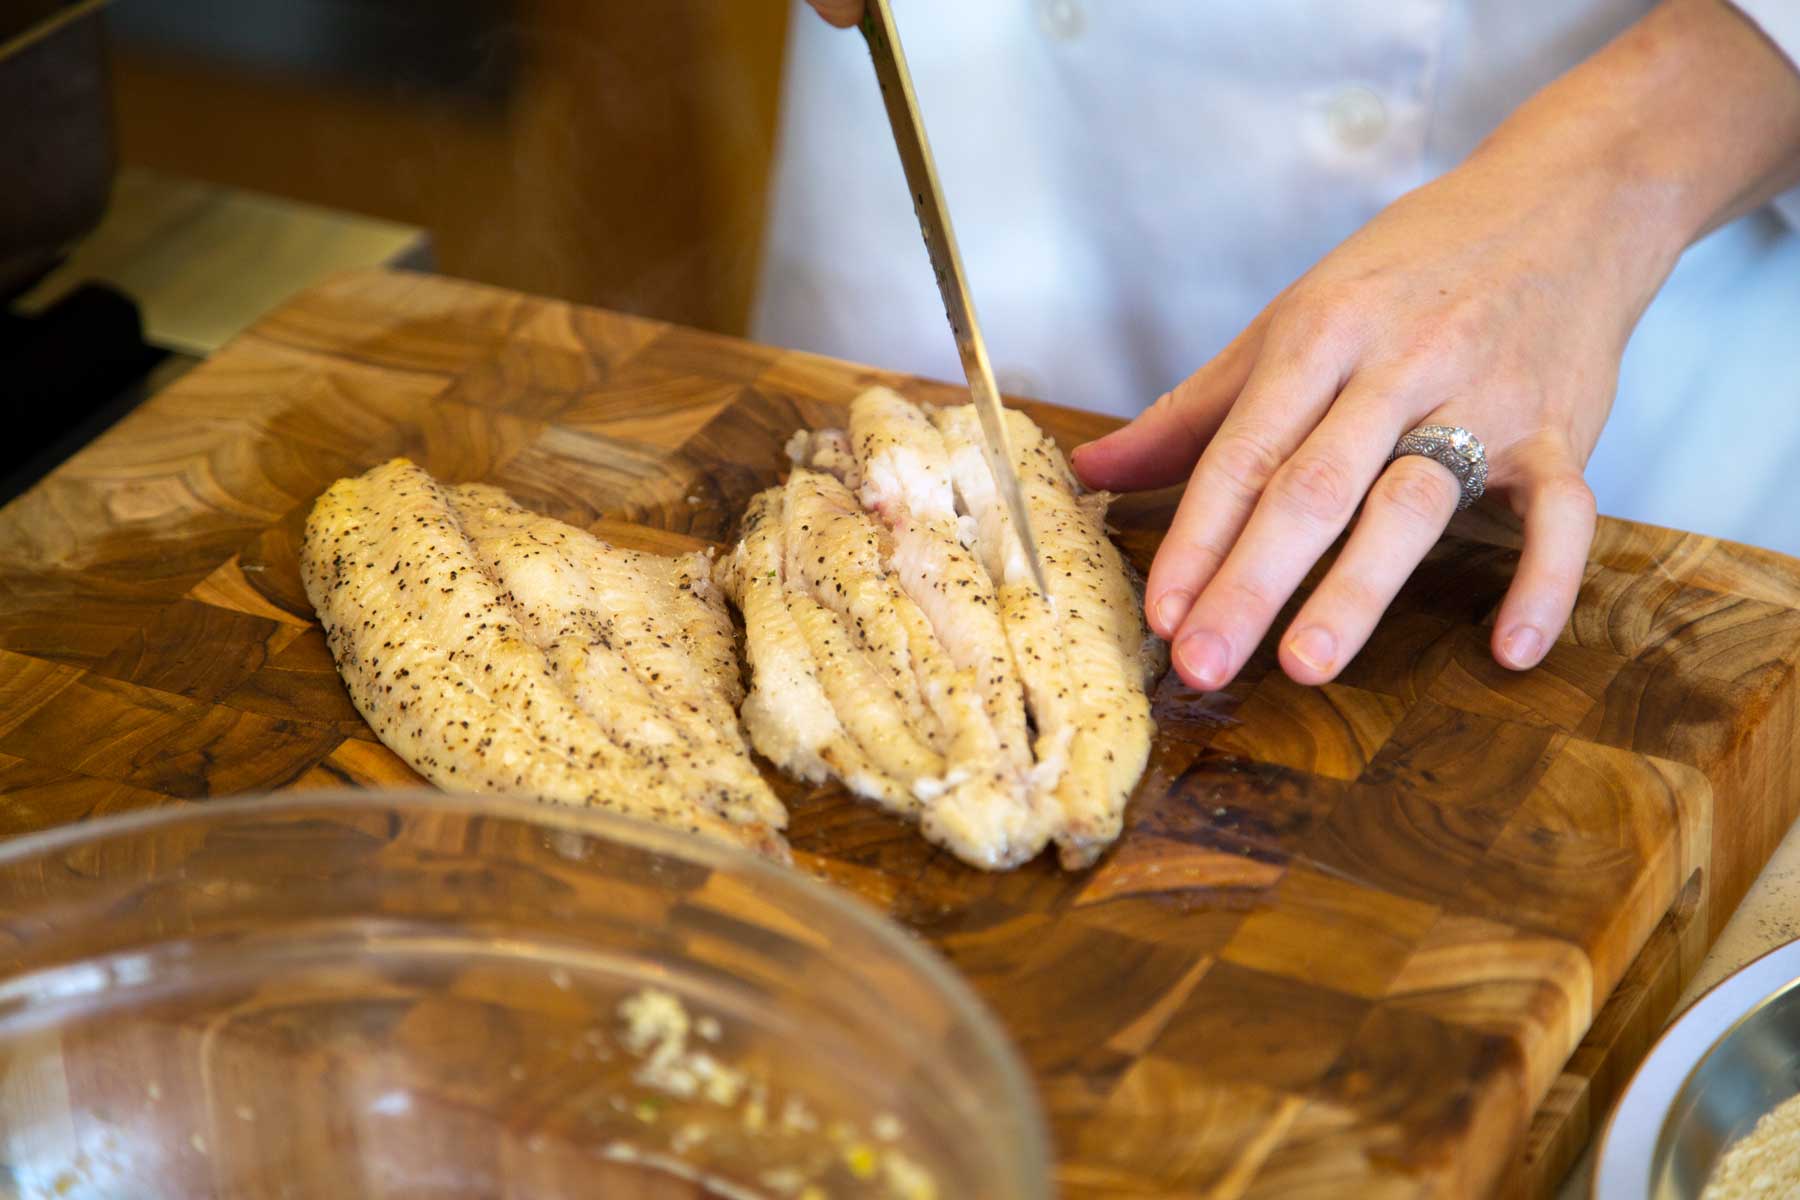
(1061,19)
(1357,117)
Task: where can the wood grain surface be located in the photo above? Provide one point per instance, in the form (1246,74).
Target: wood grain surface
(1404,935)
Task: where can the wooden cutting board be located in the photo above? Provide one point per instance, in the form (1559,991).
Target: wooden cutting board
(1403,935)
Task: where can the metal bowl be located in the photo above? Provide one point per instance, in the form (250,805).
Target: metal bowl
(411,994)
(1732,1057)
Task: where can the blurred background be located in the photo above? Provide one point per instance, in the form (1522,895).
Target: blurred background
(183,165)
(607,151)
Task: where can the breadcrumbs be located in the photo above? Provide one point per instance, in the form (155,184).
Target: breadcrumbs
(1765,1165)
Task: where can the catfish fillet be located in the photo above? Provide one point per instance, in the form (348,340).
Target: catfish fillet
(898,642)
(497,650)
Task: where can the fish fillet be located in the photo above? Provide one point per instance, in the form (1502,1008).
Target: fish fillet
(838,558)
(1085,648)
(834,557)
(481,661)
(904,475)
(906,482)
(639,654)
(790,717)
(888,556)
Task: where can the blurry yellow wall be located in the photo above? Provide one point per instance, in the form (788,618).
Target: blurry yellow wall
(627,168)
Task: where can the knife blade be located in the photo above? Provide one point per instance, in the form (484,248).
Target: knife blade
(879,30)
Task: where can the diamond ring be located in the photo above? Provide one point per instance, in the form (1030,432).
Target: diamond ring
(1456,450)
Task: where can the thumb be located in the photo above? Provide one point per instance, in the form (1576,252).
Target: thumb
(842,13)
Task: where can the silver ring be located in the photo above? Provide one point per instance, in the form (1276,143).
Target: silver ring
(1456,450)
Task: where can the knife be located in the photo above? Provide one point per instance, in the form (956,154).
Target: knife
(879,31)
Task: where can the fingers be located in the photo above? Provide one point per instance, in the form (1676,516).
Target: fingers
(1402,519)
(1308,502)
(1161,444)
(842,13)
(1558,508)
(1282,400)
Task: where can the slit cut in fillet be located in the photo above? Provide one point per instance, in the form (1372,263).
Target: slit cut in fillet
(1036,705)
(1094,681)
(497,650)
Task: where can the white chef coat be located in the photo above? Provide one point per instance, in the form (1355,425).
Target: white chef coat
(1133,180)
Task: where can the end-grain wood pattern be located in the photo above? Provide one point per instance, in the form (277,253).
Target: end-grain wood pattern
(1353,938)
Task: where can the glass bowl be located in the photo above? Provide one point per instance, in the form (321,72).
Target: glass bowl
(412,994)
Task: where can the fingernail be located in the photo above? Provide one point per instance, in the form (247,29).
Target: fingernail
(1523,646)
(1171,610)
(1314,647)
(1085,451)
(1078,462)
(1207,659)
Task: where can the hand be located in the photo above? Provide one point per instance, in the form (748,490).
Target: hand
(1498,297)
(842,13)
(1462,304)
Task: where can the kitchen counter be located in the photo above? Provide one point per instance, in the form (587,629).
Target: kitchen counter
(203,262)
(1768,917)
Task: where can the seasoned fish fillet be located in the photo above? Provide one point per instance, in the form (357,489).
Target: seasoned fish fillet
(706,624)
(1005,719)
(834,557)
(788,712)
(897,687)
(639,654)
(483,661)
(906,482)
(904,478)
(1089,685)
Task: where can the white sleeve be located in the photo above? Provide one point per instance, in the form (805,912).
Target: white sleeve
(1780,20)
